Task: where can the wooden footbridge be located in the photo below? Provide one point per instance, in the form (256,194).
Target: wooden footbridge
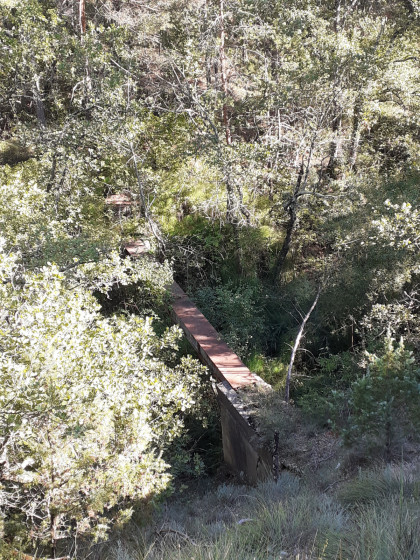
(242,449)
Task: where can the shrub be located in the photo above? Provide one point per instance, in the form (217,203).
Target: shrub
(237,313)
(88,405)
(385,403)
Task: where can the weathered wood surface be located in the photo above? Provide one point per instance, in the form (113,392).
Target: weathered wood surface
(224,364)
(137,248)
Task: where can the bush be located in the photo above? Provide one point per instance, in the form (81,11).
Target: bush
(237,313)
(272,370)
(385,403)
(89,404)
(324,395)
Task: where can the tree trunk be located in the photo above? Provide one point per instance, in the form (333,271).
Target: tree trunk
(296,345)
(52,173)
(39,105)
(82,17)
(153,225)
(291,209)
(243,209)
(337,110)
(230,191)
(355,134)
(287,240)
(223,73)
(230,197)
(207,58)
(53,535)
(87,81)
(337,19)
(335,144)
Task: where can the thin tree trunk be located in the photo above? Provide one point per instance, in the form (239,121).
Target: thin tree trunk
(82,17)
(53,534)
(82,26)
(287,240)
(39,105)
(337,110)
(52,173)
(243,209)
(153,226)
(335,143)
(231,206)
(207,58)
(337,19)
(224,76)
(296,345)
(230,197)
(230,194)
(355,135)
(291,209)
(230,191)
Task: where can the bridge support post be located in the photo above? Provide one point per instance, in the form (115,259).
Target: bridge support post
(243,450)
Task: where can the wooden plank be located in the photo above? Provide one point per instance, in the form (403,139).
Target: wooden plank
(224,364)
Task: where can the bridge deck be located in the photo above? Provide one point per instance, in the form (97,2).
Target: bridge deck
(224,364)
(241,445)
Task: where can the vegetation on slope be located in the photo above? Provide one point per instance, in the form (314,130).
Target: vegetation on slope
(375,515)
(269,149)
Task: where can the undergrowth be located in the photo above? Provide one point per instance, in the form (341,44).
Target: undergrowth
(374,516)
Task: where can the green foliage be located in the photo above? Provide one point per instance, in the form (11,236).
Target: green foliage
(12,152)
(197,251)
(46,226)
(272,370)
(323,394)
(197,453)
(237,313)
(88,404)
(385,401)
(218,131)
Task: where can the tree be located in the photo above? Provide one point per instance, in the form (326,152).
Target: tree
(296,345)
(385,402)
(88,404)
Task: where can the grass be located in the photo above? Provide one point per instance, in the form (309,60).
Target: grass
(374,486)
(272,370)
(375,516)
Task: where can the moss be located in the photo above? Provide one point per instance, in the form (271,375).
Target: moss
(11,152)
